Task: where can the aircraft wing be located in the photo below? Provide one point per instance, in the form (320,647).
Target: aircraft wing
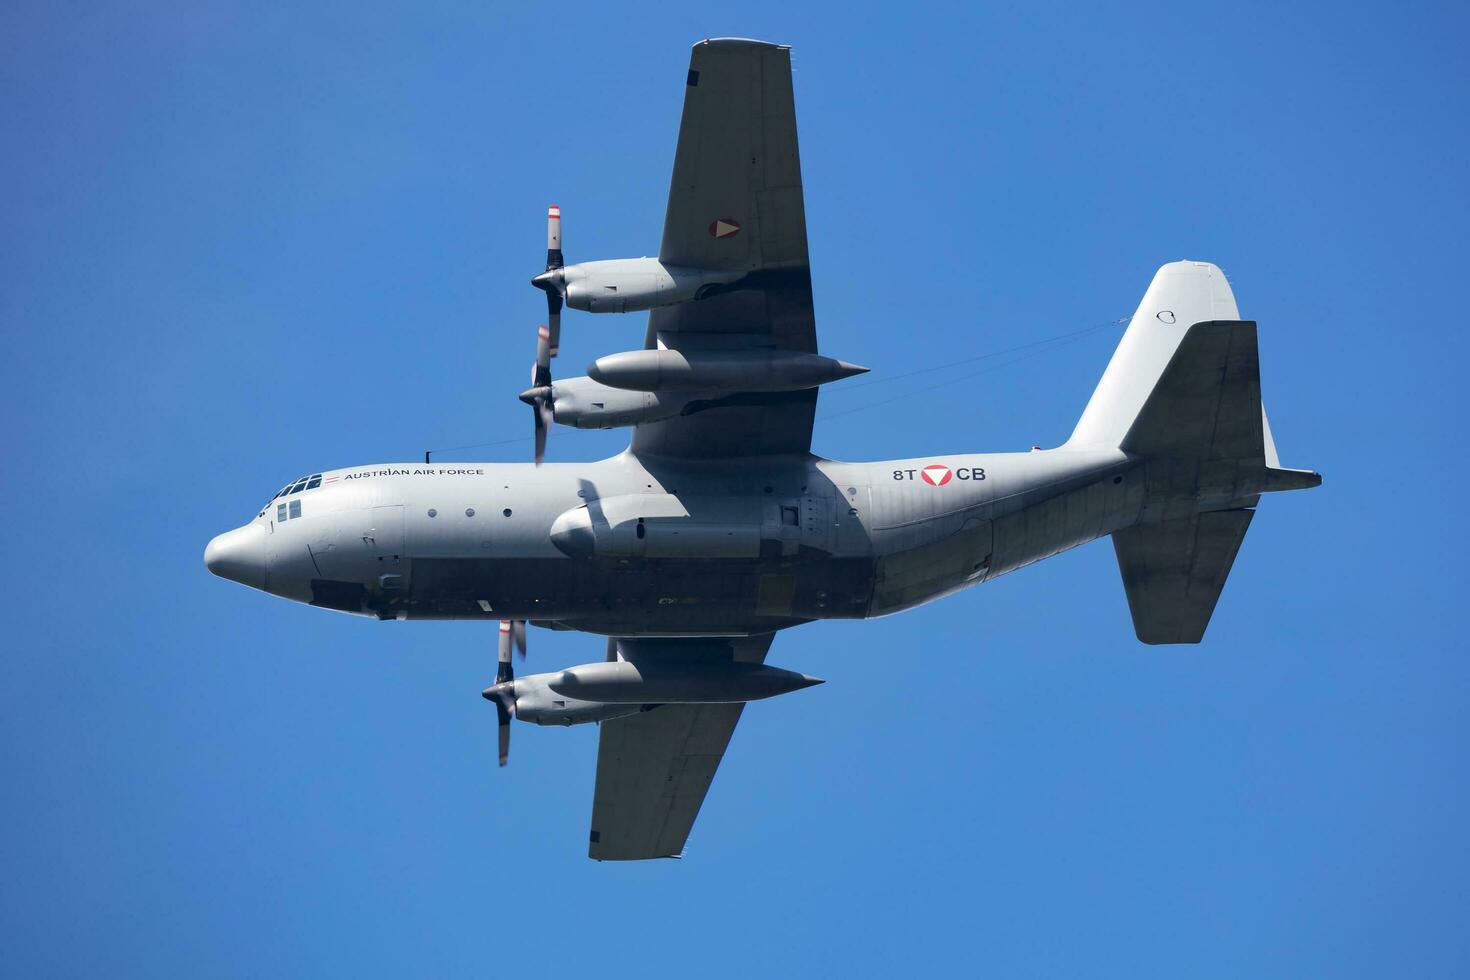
(735,202)
(654,768)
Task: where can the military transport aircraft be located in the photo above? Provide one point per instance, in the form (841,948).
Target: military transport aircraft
(718,527)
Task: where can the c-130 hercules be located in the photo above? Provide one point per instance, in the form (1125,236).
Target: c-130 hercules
(717,527)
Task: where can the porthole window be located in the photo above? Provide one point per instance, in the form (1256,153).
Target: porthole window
(469,512)
(506,512)
(433,512)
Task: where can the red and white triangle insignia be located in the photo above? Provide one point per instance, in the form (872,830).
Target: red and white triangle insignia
(936,474)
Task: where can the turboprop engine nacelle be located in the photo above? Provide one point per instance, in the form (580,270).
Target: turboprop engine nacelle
(719,370)
(627,285)
(615,689)
(537,703)
(586,404)
(677,681)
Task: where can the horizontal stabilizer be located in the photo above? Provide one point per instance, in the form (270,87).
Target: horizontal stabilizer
(1174,570)
(1282,479)
(1279,477)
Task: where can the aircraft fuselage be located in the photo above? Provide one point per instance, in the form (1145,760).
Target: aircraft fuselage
(632,546)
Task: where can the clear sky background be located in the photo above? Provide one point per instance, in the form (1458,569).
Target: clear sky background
(241,242)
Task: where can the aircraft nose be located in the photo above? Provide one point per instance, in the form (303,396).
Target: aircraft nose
(239,556)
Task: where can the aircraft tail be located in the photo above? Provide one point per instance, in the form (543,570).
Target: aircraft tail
(1183,393)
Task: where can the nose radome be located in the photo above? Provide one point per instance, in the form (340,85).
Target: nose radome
(239,556)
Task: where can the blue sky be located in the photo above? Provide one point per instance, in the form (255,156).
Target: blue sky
(243,242)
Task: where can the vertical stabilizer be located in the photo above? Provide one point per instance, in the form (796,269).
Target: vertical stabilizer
(1182,395)
(1181,295)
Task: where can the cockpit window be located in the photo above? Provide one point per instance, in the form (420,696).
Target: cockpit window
(296,486)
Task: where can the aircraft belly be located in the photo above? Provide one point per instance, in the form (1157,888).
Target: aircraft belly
(643,596)
(928,560)
(1050,526)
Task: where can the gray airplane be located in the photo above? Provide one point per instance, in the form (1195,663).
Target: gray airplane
(717,526)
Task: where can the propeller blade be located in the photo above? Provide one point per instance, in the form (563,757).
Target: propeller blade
(538,414)
(502,692)
(542,415)
(539,395)
(541,371)
(505,707)
(548,335)
(553,321)
(518,630)
(503,671)
(553,238)
(551,281)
